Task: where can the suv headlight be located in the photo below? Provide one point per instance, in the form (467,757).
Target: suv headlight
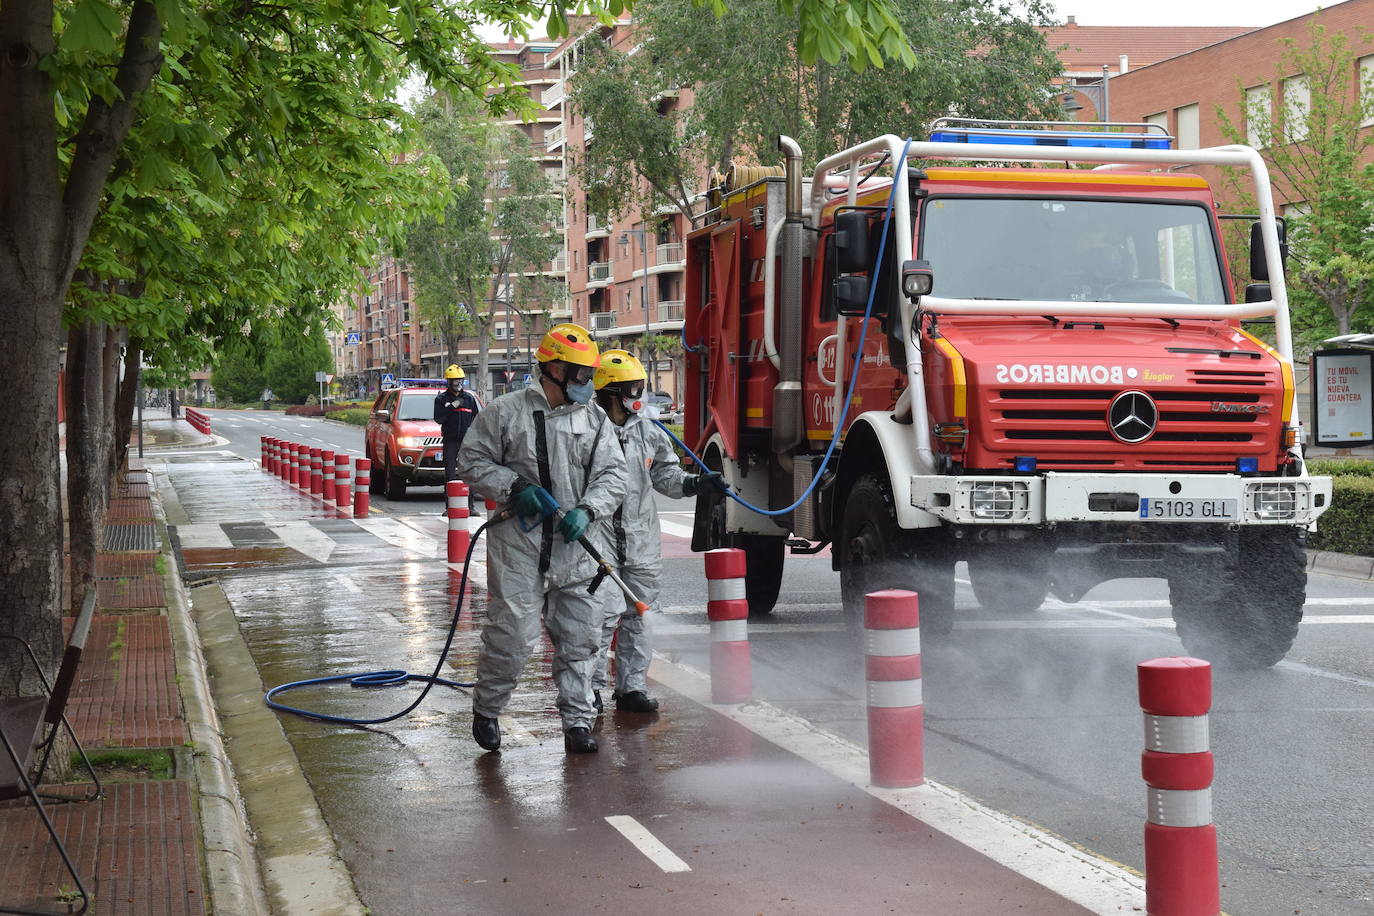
(409,441)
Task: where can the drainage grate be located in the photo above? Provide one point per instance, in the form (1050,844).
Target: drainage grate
(130,537)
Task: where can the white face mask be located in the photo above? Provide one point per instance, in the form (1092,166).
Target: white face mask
(634,405)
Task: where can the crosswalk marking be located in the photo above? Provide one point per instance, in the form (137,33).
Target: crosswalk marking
(304,538)
(195,537)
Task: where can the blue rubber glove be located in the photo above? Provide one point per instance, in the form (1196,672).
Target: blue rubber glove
(531,500)
(574,524)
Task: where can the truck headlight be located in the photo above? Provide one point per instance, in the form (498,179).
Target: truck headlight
(409,441)
(998,499)
(1273,501)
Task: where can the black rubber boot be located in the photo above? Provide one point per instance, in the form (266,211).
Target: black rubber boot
(635,701)
(579,740)
(596,701)
(486,731)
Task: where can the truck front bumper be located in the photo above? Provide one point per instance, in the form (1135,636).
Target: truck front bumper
(1068,497)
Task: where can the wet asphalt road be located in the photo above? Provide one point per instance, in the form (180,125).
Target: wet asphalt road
(1033,715)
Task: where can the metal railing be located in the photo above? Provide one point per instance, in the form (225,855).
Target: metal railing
(554,135)
(598,270)
(552,95)
(670,310)
(603,321)
(670,253)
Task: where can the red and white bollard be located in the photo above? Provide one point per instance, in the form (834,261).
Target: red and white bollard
(490,506)
(892,667)
(302,467)
(458,536)
(293,471)
(316,472)
(343,491)
(327,470)
(276,456)
(262,442)
(269,453)
(732,673)
(1181,872)
(362,483)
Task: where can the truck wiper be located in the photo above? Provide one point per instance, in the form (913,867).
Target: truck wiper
(1224,354)
(1173,323)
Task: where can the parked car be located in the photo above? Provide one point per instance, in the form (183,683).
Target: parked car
(668,410)
(403,441)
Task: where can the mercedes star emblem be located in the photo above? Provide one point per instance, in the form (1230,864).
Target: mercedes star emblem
(1132,417)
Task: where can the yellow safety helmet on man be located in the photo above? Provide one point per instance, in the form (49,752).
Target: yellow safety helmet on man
(618,366)
(454,371)
(569,343)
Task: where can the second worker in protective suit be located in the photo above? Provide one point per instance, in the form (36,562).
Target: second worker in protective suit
(632,530)
(527,446)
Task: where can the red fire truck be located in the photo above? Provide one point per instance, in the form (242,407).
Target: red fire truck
(952,350)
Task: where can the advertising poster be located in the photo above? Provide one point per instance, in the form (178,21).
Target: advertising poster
(1342,406)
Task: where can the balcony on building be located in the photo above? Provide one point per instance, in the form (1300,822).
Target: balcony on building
(554,137)
(599,274)
(553,95)
(596,229)
(559,265)
(669,310)
(603,322)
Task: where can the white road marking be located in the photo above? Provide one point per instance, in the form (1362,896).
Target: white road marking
(1098,885)
(402,536)
(198,536)
(647,843)
(349,584)
(387,619)
(673,528)
(305,538)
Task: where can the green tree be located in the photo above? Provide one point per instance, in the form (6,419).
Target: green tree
(974,58)
(1319,157)
(206,94)
(471,263)
(291,362)
(238,376)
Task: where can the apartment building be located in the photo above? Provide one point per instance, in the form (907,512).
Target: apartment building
(625,279)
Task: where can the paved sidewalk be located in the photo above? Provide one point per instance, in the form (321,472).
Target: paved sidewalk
(138,848)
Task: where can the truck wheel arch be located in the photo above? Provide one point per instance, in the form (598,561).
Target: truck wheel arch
(879,444)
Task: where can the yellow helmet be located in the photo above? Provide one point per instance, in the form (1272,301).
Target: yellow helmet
(618,366)
(570,343)
(454,372)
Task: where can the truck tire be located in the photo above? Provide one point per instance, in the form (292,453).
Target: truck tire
(763,559)
(1009,582)
(876,553)
(1250,617)
(395,480)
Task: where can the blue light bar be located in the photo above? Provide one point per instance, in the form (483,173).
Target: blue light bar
(1025,463)
(1051,138)
(422,383)
(1247,465)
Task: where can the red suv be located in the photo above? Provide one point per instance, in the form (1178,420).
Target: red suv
(403,440)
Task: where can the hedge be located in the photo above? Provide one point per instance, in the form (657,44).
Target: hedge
(1341,467)
(354,415)
(1346,526)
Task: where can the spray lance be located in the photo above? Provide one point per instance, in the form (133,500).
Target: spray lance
(549,508)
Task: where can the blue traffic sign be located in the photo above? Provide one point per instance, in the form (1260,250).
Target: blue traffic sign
(353,338)
(388,378)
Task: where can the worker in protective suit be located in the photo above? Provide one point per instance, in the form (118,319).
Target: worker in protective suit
(632,532)
(528,449)
(455,409)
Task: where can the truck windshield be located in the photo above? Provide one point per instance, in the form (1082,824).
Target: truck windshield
(1071,250)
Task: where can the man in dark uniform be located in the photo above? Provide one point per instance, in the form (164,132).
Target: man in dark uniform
(454,410)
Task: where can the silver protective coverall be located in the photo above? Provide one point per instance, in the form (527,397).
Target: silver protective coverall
(571,451)
(632,536)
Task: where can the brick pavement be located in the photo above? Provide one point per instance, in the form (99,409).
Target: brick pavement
(137,848)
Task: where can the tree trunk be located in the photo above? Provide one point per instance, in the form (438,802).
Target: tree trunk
(87,449)
(484,356)
(124,407)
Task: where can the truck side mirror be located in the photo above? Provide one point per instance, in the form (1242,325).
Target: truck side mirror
(1259,266)
(851,242)
(1258,292)
(851,296)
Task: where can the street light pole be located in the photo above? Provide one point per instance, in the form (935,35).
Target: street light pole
(644,255)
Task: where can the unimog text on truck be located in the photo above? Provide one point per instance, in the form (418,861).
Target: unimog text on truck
(1055,380)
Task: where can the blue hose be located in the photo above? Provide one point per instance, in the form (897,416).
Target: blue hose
(391,677)
(853,376)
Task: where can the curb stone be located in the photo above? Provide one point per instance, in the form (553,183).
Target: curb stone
(232,879)
(1341,564)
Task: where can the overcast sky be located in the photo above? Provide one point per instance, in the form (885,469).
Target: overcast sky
(1186,12)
